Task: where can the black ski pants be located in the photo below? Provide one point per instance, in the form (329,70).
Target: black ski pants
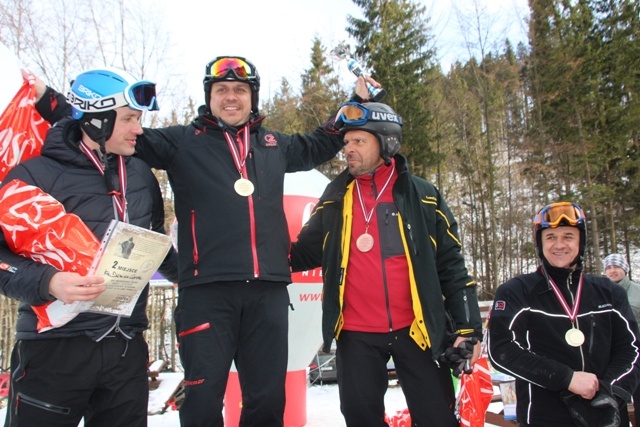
(56,382)
(242,322)
(361,359)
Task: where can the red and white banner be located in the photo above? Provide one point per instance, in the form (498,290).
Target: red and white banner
(36,226)
(476,391)
(22,129)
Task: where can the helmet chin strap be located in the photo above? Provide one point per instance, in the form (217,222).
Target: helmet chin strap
(99,130)
(99,127)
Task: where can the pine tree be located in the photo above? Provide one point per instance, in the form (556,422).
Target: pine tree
(393,40)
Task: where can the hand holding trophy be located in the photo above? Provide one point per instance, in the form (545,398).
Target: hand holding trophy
(341,52)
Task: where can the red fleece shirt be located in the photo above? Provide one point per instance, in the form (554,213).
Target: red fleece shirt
(377,291)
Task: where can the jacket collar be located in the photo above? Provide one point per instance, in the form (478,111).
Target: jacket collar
(62,143)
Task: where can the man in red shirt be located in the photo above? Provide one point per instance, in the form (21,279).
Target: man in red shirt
(392,269)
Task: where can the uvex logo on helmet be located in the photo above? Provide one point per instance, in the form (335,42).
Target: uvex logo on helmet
(384,117)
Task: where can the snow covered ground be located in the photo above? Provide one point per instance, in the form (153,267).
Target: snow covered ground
(323,405)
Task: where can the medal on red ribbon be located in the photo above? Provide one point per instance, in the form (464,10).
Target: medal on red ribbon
(574,336)
(242,186)
(365,241)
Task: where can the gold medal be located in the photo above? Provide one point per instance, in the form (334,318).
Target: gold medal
(574,337)
(364,243)
(243,187)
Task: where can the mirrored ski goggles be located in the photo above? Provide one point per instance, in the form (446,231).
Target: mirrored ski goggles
(553,215)
(354,114)
(220,68)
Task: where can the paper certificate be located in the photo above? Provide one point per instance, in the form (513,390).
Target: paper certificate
(127,258)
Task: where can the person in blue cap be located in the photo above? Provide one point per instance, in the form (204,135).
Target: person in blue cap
(95,366)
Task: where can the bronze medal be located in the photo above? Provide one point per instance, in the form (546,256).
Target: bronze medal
(364,243)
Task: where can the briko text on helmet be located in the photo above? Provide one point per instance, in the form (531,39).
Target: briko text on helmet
(102,104)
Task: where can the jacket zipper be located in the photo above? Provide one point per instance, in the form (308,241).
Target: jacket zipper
(466,305)
(577,324)
(252,226)
(23,398)
(413,243)
(195,243)
(593,333)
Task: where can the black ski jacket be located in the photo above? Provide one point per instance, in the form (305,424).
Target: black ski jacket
(429,231)
(68,175)
(526,339)
(223,236)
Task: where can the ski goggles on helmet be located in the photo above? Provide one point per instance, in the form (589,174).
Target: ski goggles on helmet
(142,96)
(355,114)
(561,213)
(137,96)
(231,68)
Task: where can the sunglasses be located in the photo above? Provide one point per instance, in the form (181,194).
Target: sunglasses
(353,113)
(231,67)
(553,215)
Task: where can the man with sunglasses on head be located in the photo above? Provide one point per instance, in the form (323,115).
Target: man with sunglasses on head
(95,366)
(569,338)
(227,175)
(392,268)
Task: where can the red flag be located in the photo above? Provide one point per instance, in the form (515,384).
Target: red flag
(36,226)
(22,129)
(400,419)
(476,391)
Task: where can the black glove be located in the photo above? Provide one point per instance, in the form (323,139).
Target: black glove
(457,358)
(603,407)
(609,411)
(578,408)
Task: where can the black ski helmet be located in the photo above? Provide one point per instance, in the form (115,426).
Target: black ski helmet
(376,118)
(556,215)
(232,68)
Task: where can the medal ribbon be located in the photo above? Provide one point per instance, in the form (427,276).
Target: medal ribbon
(119,197)
(572,313)
(367,216)
(239,154)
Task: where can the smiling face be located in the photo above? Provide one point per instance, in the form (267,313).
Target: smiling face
(362,151)
(231,101)
(125,132)
(560,245)
(615,273)
(126,129)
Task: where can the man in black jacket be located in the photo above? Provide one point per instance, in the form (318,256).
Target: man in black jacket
(391,266)
(227,175)
(569,338)
(94,366)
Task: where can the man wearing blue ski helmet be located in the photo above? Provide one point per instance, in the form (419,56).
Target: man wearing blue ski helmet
(87,164)
(95,95)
